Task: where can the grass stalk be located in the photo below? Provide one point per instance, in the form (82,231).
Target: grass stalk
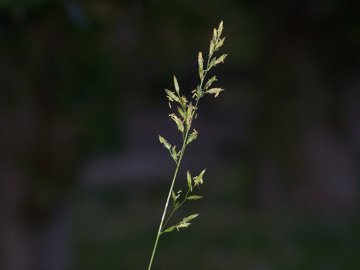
(183,118)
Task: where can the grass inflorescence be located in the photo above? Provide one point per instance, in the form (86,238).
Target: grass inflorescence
(183,115)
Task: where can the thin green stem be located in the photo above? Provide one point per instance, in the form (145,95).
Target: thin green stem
(168,199)
(163,217)
(176,208)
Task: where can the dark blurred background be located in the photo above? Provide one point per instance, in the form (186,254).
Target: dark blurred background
(83,178)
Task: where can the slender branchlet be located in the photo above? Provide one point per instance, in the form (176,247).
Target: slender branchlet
(183,115)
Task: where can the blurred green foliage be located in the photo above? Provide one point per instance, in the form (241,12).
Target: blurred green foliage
(85,65)
(120,236)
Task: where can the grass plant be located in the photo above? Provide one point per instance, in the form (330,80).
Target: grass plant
(185,110)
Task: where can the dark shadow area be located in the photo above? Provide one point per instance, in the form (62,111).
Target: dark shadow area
(83,178)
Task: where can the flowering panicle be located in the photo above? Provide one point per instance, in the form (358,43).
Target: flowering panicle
(183,115)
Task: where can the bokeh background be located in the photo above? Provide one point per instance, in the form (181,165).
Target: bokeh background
(83,178)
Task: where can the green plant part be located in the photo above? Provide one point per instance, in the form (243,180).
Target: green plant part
(184,113)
